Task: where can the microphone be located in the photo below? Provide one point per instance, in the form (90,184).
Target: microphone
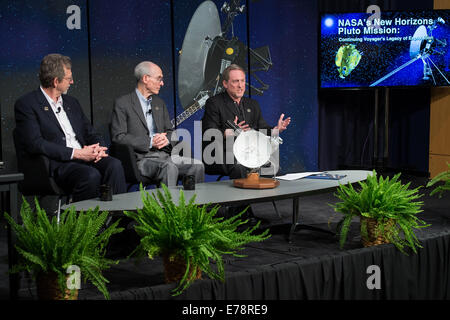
(234,126)
(58,110)
(149,112)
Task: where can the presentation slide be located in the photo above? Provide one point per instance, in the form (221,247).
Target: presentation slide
(385,49)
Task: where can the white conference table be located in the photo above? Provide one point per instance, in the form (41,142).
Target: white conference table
(224,193)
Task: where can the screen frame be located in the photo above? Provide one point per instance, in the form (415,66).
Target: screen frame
(350,88)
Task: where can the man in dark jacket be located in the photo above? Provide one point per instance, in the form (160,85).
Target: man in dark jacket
(53,124)
(245,113)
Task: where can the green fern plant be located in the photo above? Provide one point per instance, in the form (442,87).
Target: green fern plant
(441,177)
(392,204)
(44,246)
(190,232)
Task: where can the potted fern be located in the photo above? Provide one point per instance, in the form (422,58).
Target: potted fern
(387,210)
(188,237)
(48,249)
(441,177)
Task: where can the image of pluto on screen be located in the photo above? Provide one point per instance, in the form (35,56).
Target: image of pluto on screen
(396,49)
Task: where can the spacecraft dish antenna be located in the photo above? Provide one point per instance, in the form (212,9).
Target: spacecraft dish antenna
(203,28)
(418,42)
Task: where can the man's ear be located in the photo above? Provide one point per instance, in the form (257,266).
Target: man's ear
(144,78)
(55,82)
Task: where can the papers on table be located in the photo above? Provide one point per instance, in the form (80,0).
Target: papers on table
(311,175)
(295,176)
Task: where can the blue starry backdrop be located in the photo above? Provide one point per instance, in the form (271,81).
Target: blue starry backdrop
(289,28)
(384,53)
(113,36)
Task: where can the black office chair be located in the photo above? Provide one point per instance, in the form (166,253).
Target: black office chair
(125,154)
(38,181)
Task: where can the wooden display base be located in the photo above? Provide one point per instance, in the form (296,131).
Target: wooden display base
(253,181)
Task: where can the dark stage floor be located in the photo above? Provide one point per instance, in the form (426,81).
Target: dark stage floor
(309,250)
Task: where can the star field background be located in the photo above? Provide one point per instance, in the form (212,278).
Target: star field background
(289,28)
(116,35)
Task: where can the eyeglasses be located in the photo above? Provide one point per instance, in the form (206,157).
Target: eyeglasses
(70,79)
(159,79)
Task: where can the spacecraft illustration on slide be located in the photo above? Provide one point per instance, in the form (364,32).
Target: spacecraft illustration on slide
(423,45)
(347,58)
(208,48)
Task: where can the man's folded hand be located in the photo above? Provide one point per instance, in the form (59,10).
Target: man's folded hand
(94,152)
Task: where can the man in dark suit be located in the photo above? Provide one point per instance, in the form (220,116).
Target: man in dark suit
(232,106)
(51,123)
(141,119)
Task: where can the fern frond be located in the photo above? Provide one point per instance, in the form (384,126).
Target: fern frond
(189,231)
(382,199)
(46,246)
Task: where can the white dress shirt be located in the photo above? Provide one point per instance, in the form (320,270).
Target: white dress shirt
(64,122)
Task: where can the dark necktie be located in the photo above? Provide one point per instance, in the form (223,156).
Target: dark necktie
(240,109)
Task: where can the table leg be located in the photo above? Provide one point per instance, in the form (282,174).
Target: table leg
(295,207)
(295,223)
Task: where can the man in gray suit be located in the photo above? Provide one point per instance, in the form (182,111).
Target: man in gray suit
(141,119)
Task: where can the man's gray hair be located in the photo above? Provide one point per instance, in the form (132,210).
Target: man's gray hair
(226,72)
(52,66)
(143,68)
